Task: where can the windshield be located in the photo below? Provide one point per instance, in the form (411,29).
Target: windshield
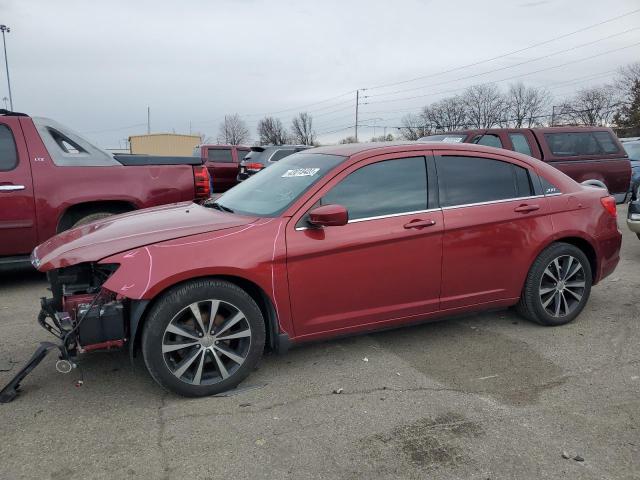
(445,138)
(632,149)
(269,192)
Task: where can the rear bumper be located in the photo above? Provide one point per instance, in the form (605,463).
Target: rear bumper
(622,197)
(634,225)
(608,252)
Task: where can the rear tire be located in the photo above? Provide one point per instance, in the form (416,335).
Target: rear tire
(557,287)
(188,354)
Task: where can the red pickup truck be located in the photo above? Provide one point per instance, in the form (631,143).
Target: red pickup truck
(223,163)
(583,153)
(52,179)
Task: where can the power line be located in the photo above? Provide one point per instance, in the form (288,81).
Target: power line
(115,129)
(505,67)
(300,107)
(507,78)
(513,52)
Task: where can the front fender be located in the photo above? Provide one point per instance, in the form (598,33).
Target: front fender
(255,252)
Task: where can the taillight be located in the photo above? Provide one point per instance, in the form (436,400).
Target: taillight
(609,204)
(254,167)
(202,182)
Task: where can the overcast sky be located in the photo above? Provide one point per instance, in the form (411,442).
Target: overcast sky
(97,65)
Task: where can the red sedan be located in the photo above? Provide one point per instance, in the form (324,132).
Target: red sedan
(330,241)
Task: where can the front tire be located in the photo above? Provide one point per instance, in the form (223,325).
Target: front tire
(557,287)
(203,338)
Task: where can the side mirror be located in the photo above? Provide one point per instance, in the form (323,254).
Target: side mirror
(329,216)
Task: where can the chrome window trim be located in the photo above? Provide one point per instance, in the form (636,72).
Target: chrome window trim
(357,220)
(379,217)
(490,202)
(391,215)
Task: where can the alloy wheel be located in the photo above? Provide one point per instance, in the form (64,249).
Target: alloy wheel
(562,286)
(206,342)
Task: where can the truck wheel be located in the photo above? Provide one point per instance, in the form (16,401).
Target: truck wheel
(557,287)
(203,338)
(91,218)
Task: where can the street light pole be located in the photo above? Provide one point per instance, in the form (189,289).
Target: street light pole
(6,29)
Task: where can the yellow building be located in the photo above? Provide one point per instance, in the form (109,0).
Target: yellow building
(169,144)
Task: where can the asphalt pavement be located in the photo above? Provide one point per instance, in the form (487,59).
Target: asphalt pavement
(486,396)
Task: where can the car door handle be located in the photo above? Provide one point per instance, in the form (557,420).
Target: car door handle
(11,188)
(524,208)
(420,223)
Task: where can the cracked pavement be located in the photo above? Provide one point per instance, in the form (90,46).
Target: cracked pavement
(481,396)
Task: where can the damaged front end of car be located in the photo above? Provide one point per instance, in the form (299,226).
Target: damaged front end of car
(81,314)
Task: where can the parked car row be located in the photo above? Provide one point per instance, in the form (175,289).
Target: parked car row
(52,179)
(583,153)
(632,147)
(229,165)
(327,242)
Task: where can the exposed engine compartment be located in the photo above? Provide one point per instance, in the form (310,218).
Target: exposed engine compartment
(81,313)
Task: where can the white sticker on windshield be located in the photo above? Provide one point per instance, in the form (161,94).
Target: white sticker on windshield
(452,139)
(300,172)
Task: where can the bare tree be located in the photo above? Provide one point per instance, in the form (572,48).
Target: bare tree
(485,106)
(349,139)
(302,129)
(627,76)
(233,130)
(414,127)
(590,106)
(525,105)
(271,131)
(383,138)
(627,85)
(446,114)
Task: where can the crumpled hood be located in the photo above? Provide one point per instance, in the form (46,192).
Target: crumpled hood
(119,233)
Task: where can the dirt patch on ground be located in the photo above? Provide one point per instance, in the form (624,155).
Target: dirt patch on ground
(427,441)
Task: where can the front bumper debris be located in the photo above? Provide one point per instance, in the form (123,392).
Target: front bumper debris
(10,390)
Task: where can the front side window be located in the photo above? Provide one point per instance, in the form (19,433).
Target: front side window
(222,155)
(468,180)
(8,152)
(489,141)
(271,192)
(520,143)
(384,188)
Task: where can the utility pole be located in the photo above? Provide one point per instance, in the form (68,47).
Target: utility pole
(553,114)
(357,105)
(6,29)
(148,120)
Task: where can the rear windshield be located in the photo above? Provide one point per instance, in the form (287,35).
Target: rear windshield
(269,192)
(222,155)
(444,138)
(632,149)
(254,156)
(570,144)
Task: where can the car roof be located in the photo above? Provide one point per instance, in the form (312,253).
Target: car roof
(379,148)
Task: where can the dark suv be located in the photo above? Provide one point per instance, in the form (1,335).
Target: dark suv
(261,157)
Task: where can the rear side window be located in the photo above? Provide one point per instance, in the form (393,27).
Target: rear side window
(468,180)
(580,143)
(8,152)
(606,142)
(384,188)
(280,154)
(520,143)
(222,155)
(489,141)
(242,154)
